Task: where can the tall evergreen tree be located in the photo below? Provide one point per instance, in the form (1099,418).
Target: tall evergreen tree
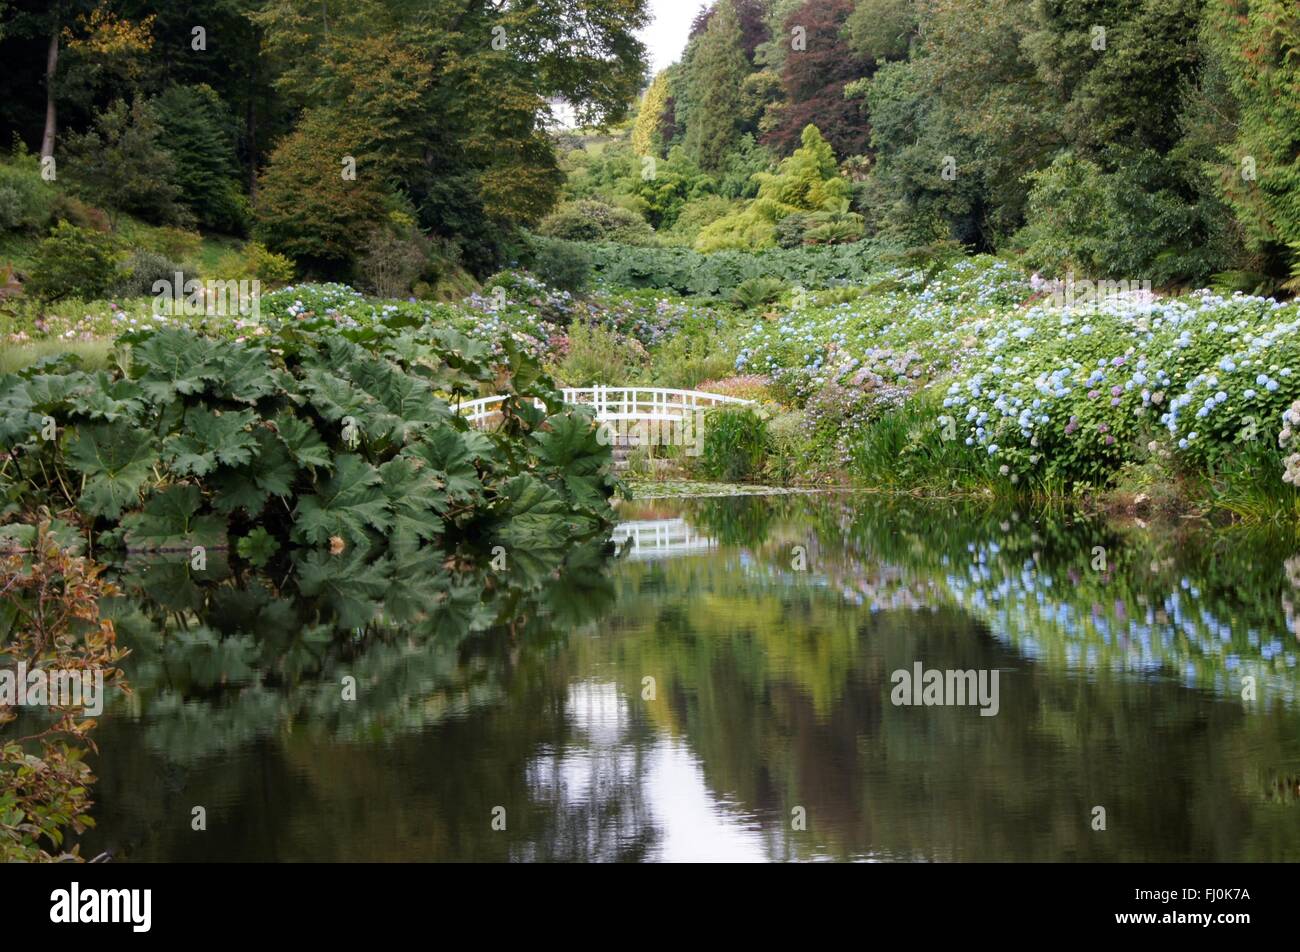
(199,134)
(714,82)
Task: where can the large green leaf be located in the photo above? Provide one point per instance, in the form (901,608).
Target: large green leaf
(447,452)
(335,397)
(247,487)
(415,496)
(303,442)
(570,443)
(537,516)
(18,420)
(211,438)
(351,585)
(171,520)
(247,374)
(175,362)
(348,503)
(117,460)
(104,398)
(48,391)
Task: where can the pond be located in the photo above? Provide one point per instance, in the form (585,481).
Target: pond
(721,688)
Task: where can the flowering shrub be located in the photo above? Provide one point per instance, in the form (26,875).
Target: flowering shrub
(913,327)
(1070,394)
(746,387)
(1289,440)
(650,316)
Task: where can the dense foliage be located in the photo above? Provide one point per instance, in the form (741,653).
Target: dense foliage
(1150,140)
(50,617)
(315,429)
(174,113)
(690,272)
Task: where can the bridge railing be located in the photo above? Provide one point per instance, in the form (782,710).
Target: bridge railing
(617,403)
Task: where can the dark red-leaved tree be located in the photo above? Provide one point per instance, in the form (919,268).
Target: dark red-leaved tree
(814,80)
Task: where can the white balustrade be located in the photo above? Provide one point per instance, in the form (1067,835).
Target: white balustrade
(616,403)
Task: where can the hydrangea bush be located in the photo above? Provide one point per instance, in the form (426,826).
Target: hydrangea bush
(1061,394)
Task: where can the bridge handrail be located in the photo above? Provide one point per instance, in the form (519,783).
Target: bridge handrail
(605,397)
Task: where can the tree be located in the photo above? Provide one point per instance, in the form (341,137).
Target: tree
(813,79)
(97,42)
(808,181)
(882,30)
(455,96)
(308,207)
(646,135)
(120,164)
(958,125)
(754,27)
(1120,86)
(1258,44)
(199,135)
(714,84)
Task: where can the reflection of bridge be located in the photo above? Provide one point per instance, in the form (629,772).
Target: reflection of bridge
(660,538)
(611,404)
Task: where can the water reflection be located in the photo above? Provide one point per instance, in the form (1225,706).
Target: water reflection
(725,675)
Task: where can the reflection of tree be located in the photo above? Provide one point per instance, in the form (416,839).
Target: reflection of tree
(733,520)
(938,783)
(251,670)
(479,691)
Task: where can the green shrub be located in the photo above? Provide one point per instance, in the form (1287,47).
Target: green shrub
(757,292)
(26,200)
(200,135)
(599,356)
(179,244)
(684,360)
(735,444)
(73,262)
(689,272)
(791,229)
(193,443)
(698,214)
(69,208)
(787,436)
(393,262)
(255,262)
(141,270)
(590,220)
(121,164)
(1134,222)
(907,449)
(561,264)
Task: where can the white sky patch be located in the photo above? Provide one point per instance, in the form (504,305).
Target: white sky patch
(665,37)
(693,824)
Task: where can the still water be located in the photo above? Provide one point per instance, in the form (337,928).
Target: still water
(720,690)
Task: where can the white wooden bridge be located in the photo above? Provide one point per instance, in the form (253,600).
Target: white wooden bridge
(616,404)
